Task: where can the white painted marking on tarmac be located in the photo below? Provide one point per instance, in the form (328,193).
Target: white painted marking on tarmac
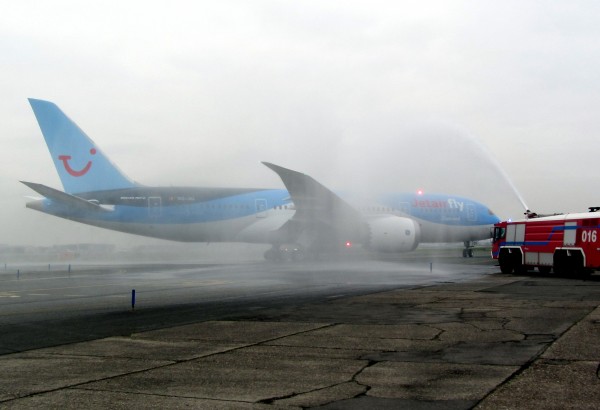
(8,295)
(205,283)
(79,287)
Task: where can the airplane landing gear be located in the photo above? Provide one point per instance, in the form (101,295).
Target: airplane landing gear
(286,252)
(273,254)
(468,250)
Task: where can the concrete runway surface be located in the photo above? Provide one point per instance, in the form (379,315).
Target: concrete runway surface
(402,333)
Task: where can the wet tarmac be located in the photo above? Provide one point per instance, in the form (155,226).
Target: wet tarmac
(362,335)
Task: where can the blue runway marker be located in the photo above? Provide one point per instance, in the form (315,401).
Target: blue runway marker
(132,299)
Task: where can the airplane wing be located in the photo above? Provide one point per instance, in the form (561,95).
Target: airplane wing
(318,208)
(72,201)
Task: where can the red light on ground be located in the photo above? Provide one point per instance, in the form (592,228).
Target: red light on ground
(348,244)
(420,192)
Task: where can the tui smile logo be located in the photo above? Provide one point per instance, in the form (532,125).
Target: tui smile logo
(76,173)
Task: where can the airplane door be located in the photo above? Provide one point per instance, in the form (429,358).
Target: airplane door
(471,214)
(261,208)
(405,208)
(154,206)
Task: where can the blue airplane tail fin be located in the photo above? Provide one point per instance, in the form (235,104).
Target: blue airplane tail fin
(81,165)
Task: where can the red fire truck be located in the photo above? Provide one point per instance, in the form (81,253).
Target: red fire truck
(567,243)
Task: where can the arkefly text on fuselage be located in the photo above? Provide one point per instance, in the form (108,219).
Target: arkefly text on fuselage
(306,214)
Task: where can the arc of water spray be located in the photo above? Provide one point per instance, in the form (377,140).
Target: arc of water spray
(500,170)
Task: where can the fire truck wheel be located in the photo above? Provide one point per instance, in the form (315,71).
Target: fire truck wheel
(544,270)
(521,269)
(505,261)
(561,266)
(578,266)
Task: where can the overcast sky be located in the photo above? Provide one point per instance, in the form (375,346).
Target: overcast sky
(398,95)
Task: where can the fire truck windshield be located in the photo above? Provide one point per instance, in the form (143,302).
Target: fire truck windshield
(499,233)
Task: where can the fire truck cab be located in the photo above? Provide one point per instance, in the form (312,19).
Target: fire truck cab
(568,243)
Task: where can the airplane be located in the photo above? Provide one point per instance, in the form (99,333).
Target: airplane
(306,216)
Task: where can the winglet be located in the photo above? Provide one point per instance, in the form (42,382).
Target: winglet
(316,204)
(296,182)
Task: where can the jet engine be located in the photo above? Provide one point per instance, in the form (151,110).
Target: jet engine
(393,234)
